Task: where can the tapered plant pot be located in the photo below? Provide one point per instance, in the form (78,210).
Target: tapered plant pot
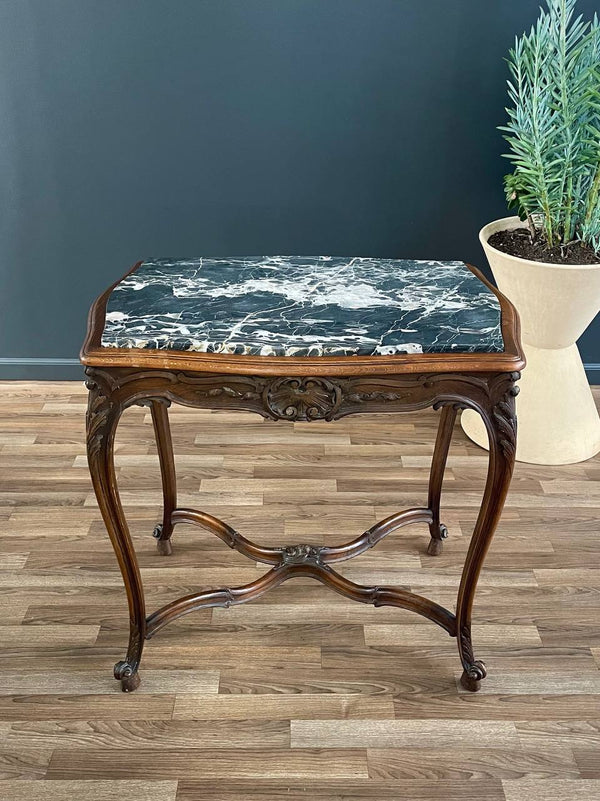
(557,418)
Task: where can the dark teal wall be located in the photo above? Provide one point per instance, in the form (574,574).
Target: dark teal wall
(131,128)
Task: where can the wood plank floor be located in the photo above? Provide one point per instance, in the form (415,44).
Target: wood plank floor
(300,694)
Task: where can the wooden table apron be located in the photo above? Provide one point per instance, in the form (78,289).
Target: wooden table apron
(302,397)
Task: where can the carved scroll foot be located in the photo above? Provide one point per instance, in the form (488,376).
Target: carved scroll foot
(471,677)
(128,676)
(436,543)
(473,670)
(163,544)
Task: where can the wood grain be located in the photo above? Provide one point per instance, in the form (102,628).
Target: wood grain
(310,765)
(300,694)
(555,790)
(283,707)
(136,790)
(401,733)
(332,790)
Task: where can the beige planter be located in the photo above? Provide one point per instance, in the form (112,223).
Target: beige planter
(558,420)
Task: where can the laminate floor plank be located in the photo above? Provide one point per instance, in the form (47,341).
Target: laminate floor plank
(312,766)
(13,560)
(78,682)
(486,706)
(13,612)
(401,733)
(278,706)
(301,694)
(109,790)
(88,707)
(344,613)
(441,763)
(396,634)
(349,790)
(551,790)
(587,762)
(178,735)
(51,636)
(19,762)
(581,734)
(504,658)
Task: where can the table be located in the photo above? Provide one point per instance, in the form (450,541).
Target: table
(302,339)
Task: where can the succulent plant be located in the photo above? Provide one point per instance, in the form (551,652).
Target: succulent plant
(553,127)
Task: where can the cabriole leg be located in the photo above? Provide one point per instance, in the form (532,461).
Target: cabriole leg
(438,531)
(501,425)
(162,430)
(101,422)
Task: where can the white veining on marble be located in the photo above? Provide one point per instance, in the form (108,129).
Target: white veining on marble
(303,306)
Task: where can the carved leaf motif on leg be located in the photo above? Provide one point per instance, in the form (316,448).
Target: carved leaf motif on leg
(474,670)
(506,421)
(97,417)
(505,417)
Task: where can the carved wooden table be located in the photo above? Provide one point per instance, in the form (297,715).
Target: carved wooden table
(302,339)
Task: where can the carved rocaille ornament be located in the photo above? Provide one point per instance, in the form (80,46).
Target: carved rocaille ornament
(303,398)
(301,555)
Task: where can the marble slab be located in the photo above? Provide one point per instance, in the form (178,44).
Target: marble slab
(303,306)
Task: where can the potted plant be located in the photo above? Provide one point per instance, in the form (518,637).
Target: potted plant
(547,258)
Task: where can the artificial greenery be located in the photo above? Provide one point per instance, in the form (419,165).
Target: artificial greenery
(554,127)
